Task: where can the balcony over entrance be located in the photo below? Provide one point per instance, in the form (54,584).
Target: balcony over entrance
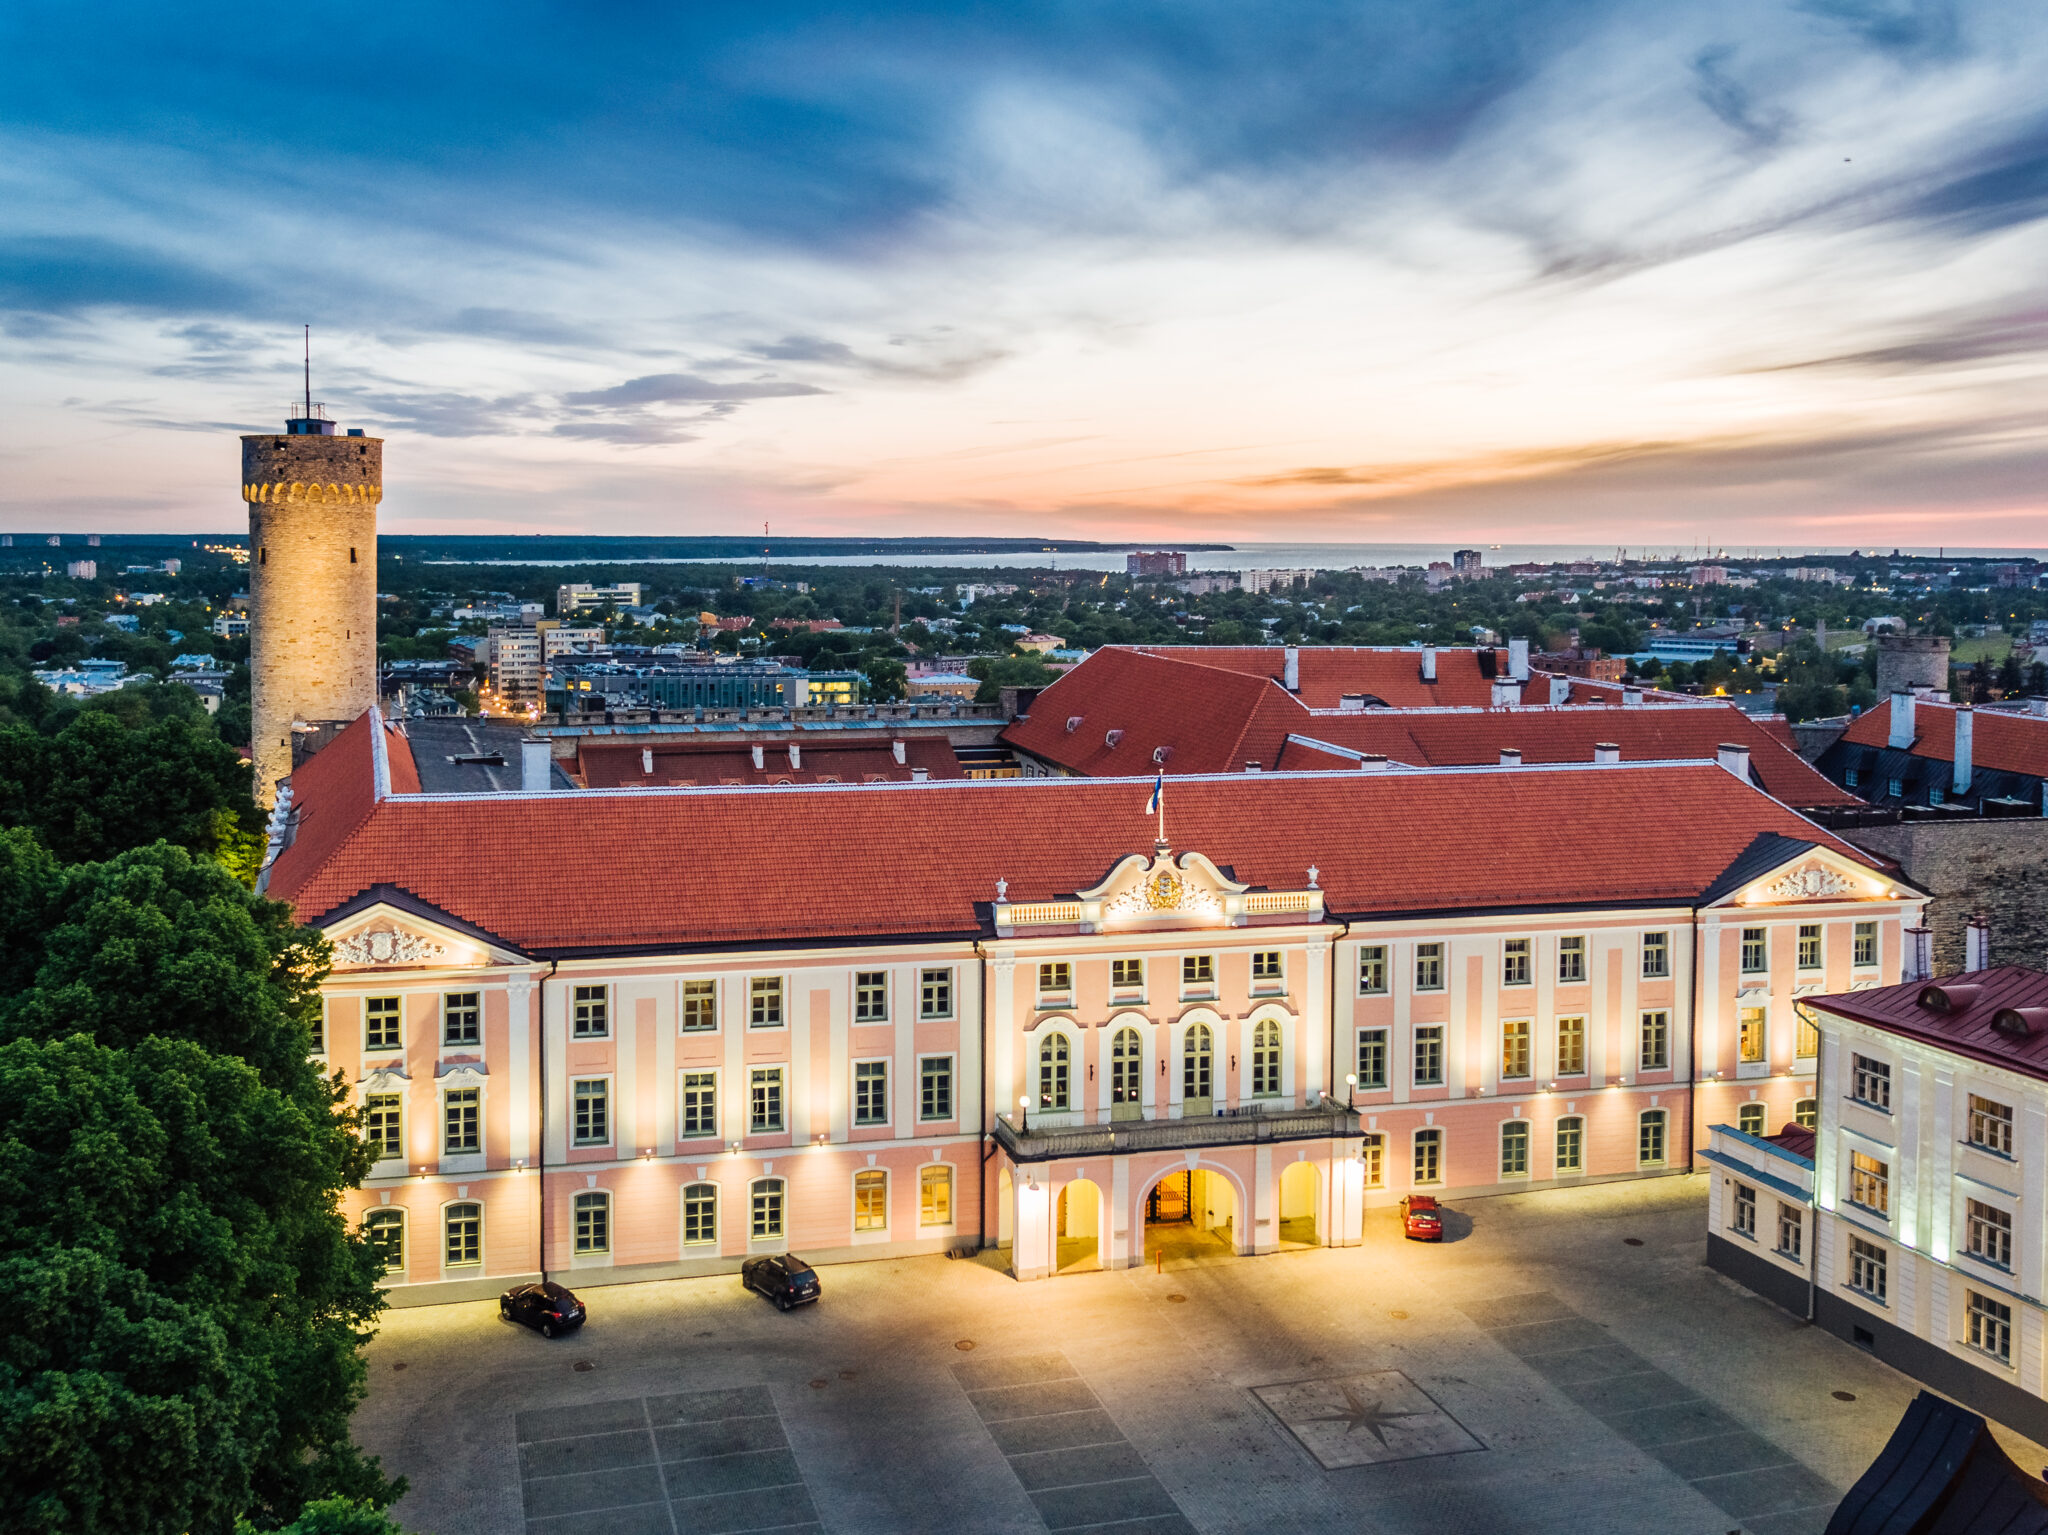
(1321,1120)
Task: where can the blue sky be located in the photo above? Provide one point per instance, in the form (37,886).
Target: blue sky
(1754,273)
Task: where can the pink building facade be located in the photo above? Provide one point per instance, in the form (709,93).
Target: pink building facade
(866,1021)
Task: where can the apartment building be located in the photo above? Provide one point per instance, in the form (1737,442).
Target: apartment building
(1926,1242)
(876,1019)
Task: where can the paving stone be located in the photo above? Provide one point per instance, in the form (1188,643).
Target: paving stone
(1058,1431)
(1628,1393)
(646,1519)
(1064,1508)
(587,1490)
(1805,1521)
(1513,1310)
(1551,1337)
(1012,1370)
(1663,1425)
(731,1473)
(1771,1490)
(1033,1401)
(694,1441)
(1072,1468)
(1591,1364)
(1744,1451)
(593,1452)
(772,1508)
(1159,1524)
(579,1421)
(709,1406)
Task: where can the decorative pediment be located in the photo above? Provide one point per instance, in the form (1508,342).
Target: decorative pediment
(1816,874)
(1159,891)
(388,1078)
(1813,882)
(383,937)
(388,946)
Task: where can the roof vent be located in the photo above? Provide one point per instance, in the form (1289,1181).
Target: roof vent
(1252,767)
(1073,723)
(1510,756)
(920,775)
(1112,739)
(1351,703)
(1948,999)
(2020,1022)
(1606,751)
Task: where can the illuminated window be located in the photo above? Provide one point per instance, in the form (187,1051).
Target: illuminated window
(386,1230)
(764,997)
(381,1024)
(1055,1073)
(1429,1156)
(591,1018)
(764,1109)
(1870,1183)
(1429,967)
(1372,1159)
(1806,1113)
(1745,1210)
(1571,960)
(1807,1045)
(1988,1233)
(935,994)
(1991,1327)
(382,1117)
(320,1029)
(1055,979)
(1866,944)
(699,1105)
(1514,1149)
(1809,946)
(871,1200)
(1749,1119)
(1429,1056)
(1127,974)
(461,1019)
(463,1234)
(767,1223)
(871,1092)
(1372,970)
(461,1135)
(1752,1034)
(1655,1054)
(935,1194)
(1571,1047)
(1514,1048)
(1514,962)
(1991,1125)
(700,1214)
(592,1098)
(871,996)
(1372,1059)
(1656,955)
(935,1087)
(593,1217)
(1266,1060)
(700,1007)
(1571,1145)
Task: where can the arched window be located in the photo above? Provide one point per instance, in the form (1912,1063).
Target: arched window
(1571,1145)
(1806,1112)
(700,1214)
(462,1229)
(1197,1074)
(1266,1060)
(871,1200)
(1650,1137)
(1514,1149)
(593,1223)
(768,1194)
(1054,1072)
(385,1227)
(1749,1119)
(1126,1070)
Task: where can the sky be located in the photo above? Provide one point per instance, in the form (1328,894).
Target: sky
(1598,271)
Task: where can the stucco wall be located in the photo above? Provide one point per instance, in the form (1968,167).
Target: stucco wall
(1996,867)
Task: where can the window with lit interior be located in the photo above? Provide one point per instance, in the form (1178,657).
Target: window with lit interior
(935,1194)
(871,1200)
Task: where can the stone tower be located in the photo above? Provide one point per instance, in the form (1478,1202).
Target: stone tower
(1909,661)
(312,498)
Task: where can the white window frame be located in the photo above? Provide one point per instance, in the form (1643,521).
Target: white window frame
(871,1123)
(1658,943)
(1268,985)
(590,1199)
(393,1049)
(781,994)
(1663,1118)
(1384,1036)
(449,1153)
(447,1209)
(1582,953)
(683,1089)
(1576,1123)
(952,1089)
(951,982)
(448,997)
(1437,952)
(683,1000)
(952,1182)
(603,1000)
(781,1083)
(1200,989)
(577,1143)
(1527,1136)
(755,1189)
(1416,1138)
(866,983)
(1518,962)
(699,1244)
(880,1230)
(1373,961)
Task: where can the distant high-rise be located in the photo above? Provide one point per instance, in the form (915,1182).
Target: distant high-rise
(312,498)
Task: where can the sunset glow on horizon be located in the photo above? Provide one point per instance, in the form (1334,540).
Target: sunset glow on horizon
(1542,273)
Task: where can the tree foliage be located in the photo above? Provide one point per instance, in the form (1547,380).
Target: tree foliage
(189,1304)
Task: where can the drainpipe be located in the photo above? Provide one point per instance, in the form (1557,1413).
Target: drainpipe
(1692,1074)
(541,1157)
(981,1106)
(1813,1201)
(1334,942)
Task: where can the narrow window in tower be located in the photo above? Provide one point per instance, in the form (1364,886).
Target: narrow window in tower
(262,556)
(351,554)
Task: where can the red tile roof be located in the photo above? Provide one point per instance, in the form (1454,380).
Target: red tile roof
(1203,719)
(1976,998)
(1328,672)
(689,868)
(620,764)
(1477,736)
(2001,741)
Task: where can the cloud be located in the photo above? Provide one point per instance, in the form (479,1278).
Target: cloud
(665,388)
(1732,102)
(58,274)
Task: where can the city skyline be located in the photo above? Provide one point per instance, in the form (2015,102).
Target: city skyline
(1761,275)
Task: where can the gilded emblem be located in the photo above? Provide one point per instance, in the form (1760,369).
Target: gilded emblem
(1164,893)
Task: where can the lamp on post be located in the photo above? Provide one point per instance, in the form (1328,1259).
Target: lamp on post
(1350,1087)
(1024,1115)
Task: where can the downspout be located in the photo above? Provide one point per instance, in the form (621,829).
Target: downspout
(981,1107)
(1813,1198)
(1331,1092)
(541,1158)
(1692,1075)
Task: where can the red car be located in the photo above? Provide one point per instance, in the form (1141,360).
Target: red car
(1421,1219)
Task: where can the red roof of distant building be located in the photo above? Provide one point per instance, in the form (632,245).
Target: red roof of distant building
(1974,1000)
(1796,1139)
(625,764)
(2002,741)
(702,867)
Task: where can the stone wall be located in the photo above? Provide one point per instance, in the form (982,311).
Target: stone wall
(1997,867)
(1907,661)
(312,588)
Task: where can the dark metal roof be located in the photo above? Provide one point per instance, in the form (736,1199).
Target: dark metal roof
(1942,1473)
(462,754)
(1769,850)
(1976,996)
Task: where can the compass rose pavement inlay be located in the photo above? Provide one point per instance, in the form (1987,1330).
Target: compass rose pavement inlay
(1364,1420)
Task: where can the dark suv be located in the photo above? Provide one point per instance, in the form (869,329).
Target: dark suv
(548,1307)
(787,1280)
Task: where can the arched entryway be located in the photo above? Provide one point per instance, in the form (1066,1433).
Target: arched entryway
(1301,1194)
(1078,1227)
(1191,1215)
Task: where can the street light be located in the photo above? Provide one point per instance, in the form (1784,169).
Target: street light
(1024,1114)
(1350,1085)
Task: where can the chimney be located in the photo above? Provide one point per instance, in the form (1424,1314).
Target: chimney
(1606,751)
(1917,963)
(1290,670)
(1372,763)
(1977,944)
(647,761)
(1428,663)
(919,775)
(1902,721)
(1560,691)
(760,757)
(1631,697)
(1510,756)
(796,757)
(2038,707)
(896,751)
(1506,691)
(1251,767)
(1353,703)
(1518,660)
(1966,730)
(536,765)
(1734,758)
(800,691)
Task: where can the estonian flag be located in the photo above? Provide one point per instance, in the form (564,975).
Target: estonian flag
(1158,789)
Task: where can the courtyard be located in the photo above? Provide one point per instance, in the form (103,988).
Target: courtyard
(1564,1362)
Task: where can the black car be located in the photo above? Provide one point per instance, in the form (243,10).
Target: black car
(786,1279)
(548,1307)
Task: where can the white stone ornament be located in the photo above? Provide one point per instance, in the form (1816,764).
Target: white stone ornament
(387,946)
(1805,884)
(1002,890)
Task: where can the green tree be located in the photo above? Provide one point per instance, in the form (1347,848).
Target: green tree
(998,672)
(191,1305)
(334,1516)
